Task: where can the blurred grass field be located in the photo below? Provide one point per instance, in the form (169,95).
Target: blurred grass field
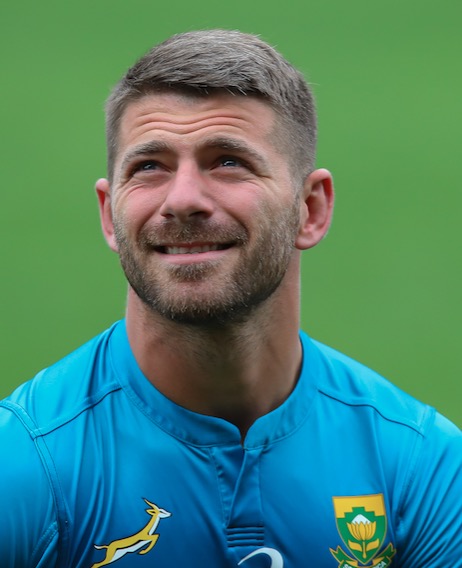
(384,287)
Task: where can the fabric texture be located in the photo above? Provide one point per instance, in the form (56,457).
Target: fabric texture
(99,468)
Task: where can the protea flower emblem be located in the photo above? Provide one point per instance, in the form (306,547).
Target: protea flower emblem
(362,525)
(363,530)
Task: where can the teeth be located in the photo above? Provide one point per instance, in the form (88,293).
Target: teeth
(190,250)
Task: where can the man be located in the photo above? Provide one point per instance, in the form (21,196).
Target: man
(205,429)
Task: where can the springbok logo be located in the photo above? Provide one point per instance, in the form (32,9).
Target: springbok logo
(135,543)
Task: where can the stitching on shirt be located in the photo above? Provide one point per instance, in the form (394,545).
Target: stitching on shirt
(45,540)
(414,458)
(49,468)
(368,404)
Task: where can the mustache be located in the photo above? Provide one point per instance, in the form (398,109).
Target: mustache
(170,233)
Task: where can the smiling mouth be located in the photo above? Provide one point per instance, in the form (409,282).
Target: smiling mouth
(191,249)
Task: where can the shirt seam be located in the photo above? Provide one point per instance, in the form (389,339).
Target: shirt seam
(368,404)
(53,479)
(41,431)
(45,540)
(415,456)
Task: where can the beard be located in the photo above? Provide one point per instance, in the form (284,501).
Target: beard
(177,292)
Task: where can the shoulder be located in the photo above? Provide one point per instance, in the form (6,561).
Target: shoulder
(352,384)
(33,435)
(360,400)
(65,389)
(28,523)
(419,449)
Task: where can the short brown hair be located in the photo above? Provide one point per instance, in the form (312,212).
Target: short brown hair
(203,62)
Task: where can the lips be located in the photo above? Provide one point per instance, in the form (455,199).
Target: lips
(192,248)
(196,238)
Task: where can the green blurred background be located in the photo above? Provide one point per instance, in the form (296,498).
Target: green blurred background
(384,287)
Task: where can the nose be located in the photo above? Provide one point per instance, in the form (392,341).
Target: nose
(187,195)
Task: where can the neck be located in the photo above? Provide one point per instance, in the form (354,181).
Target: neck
(238,372)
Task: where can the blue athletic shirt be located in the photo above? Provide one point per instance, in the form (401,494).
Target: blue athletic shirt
(98,468)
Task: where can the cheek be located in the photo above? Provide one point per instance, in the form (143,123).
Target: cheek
(133,211)
(247,207)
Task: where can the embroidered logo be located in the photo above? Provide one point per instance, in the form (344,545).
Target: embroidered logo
(141,542)
(362,524)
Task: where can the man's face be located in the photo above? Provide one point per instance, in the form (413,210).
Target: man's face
(203,206)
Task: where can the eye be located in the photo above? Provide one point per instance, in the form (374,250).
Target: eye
(231,162)
(146,166)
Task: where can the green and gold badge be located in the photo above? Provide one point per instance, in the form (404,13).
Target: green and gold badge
(362,524)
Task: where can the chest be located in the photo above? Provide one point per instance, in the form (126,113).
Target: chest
(145,498)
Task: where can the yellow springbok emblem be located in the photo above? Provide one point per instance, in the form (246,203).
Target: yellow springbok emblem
(135,543)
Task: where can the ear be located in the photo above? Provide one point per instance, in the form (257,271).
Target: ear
(316,209)
(103,191)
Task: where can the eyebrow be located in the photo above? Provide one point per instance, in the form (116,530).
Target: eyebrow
(233,145)
(215,142)
(151,147)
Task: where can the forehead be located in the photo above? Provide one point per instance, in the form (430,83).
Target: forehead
(187,119)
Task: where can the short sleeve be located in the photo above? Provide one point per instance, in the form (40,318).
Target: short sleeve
(430,529)
(28,527)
